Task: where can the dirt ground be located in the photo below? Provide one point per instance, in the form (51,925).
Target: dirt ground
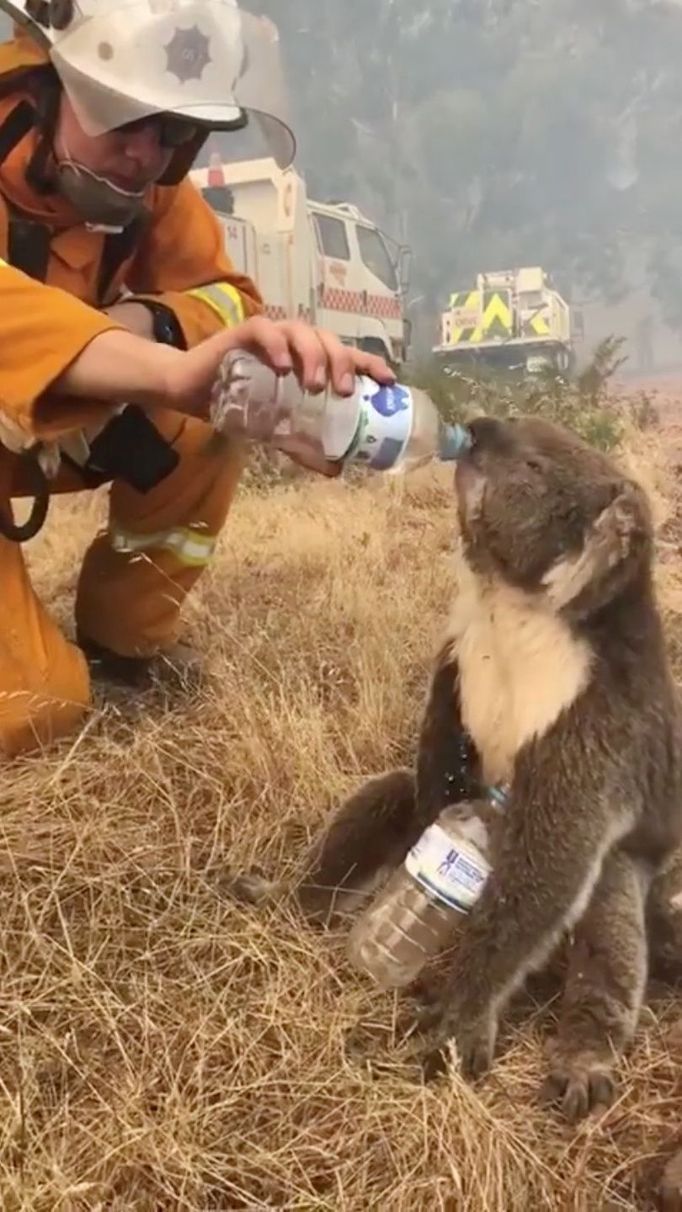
(162,1047)
(664,390)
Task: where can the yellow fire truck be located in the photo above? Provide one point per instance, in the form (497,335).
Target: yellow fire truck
(511,320)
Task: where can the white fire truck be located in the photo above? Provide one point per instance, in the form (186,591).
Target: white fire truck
(324,262)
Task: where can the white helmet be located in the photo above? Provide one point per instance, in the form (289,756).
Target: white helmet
(205,61)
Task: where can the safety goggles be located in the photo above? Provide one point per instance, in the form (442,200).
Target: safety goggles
(172,132)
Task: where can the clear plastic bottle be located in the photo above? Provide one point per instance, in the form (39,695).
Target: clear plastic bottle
(392,428)
(419,911)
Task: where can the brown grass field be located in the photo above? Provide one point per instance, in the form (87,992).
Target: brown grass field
(162,1047)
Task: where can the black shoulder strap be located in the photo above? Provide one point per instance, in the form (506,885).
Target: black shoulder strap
(28,246)
(28,242)
(28,249)
(17,124)
(118,246)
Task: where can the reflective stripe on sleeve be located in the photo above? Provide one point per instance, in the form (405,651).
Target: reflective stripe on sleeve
(223,299)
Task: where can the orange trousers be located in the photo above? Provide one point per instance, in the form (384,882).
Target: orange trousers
(133,582)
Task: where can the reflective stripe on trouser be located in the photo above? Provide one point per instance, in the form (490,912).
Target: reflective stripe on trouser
(223,299)
(191,547)
(136,576)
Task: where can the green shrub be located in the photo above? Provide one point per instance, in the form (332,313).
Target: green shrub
(583,404)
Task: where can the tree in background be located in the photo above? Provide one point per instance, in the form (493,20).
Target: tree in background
(490,133)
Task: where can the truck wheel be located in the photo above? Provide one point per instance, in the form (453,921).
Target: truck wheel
(562,361)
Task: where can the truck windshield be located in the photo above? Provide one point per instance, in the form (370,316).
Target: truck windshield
(376,257)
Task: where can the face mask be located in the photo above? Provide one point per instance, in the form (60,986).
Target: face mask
(97,200)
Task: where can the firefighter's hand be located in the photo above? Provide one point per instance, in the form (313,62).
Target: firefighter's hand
(118,365)
(317,358)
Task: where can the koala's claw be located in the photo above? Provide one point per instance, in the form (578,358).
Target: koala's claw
(475,1045)
(434,1063)
(251,887)
(579,1085)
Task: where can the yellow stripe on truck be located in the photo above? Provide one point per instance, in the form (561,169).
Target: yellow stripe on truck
(465,307)
(496,319)
(475,318)
(540,326)
(224,299)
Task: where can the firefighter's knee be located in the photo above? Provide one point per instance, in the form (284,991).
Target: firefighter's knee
(44,680)
(136,576)
(37,711)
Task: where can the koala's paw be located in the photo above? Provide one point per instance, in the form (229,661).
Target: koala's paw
(579,1083)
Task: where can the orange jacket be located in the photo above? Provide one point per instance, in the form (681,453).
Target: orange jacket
(180,261)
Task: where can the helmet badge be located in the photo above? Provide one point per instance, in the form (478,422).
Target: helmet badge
(187,54)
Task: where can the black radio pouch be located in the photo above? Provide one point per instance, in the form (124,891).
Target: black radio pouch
(129,448)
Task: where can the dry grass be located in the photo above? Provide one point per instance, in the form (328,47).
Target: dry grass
(164,1048)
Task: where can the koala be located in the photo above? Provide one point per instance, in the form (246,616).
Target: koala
(552,678)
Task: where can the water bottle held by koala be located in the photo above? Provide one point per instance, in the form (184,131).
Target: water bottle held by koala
(424,904)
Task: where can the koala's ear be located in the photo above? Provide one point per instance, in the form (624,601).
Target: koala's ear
(613,548)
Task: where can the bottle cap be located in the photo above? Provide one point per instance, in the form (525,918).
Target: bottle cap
(499,794)
(455,441)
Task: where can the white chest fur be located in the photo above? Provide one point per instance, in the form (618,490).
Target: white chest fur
(519,664)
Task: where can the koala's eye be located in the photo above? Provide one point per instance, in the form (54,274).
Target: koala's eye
(534,465)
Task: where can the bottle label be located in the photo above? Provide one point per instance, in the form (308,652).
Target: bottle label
(384,425)
(453,872)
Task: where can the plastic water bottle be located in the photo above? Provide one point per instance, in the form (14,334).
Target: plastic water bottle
(424,903)
(394,428)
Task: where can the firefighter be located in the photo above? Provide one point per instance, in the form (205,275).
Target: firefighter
(117,303)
